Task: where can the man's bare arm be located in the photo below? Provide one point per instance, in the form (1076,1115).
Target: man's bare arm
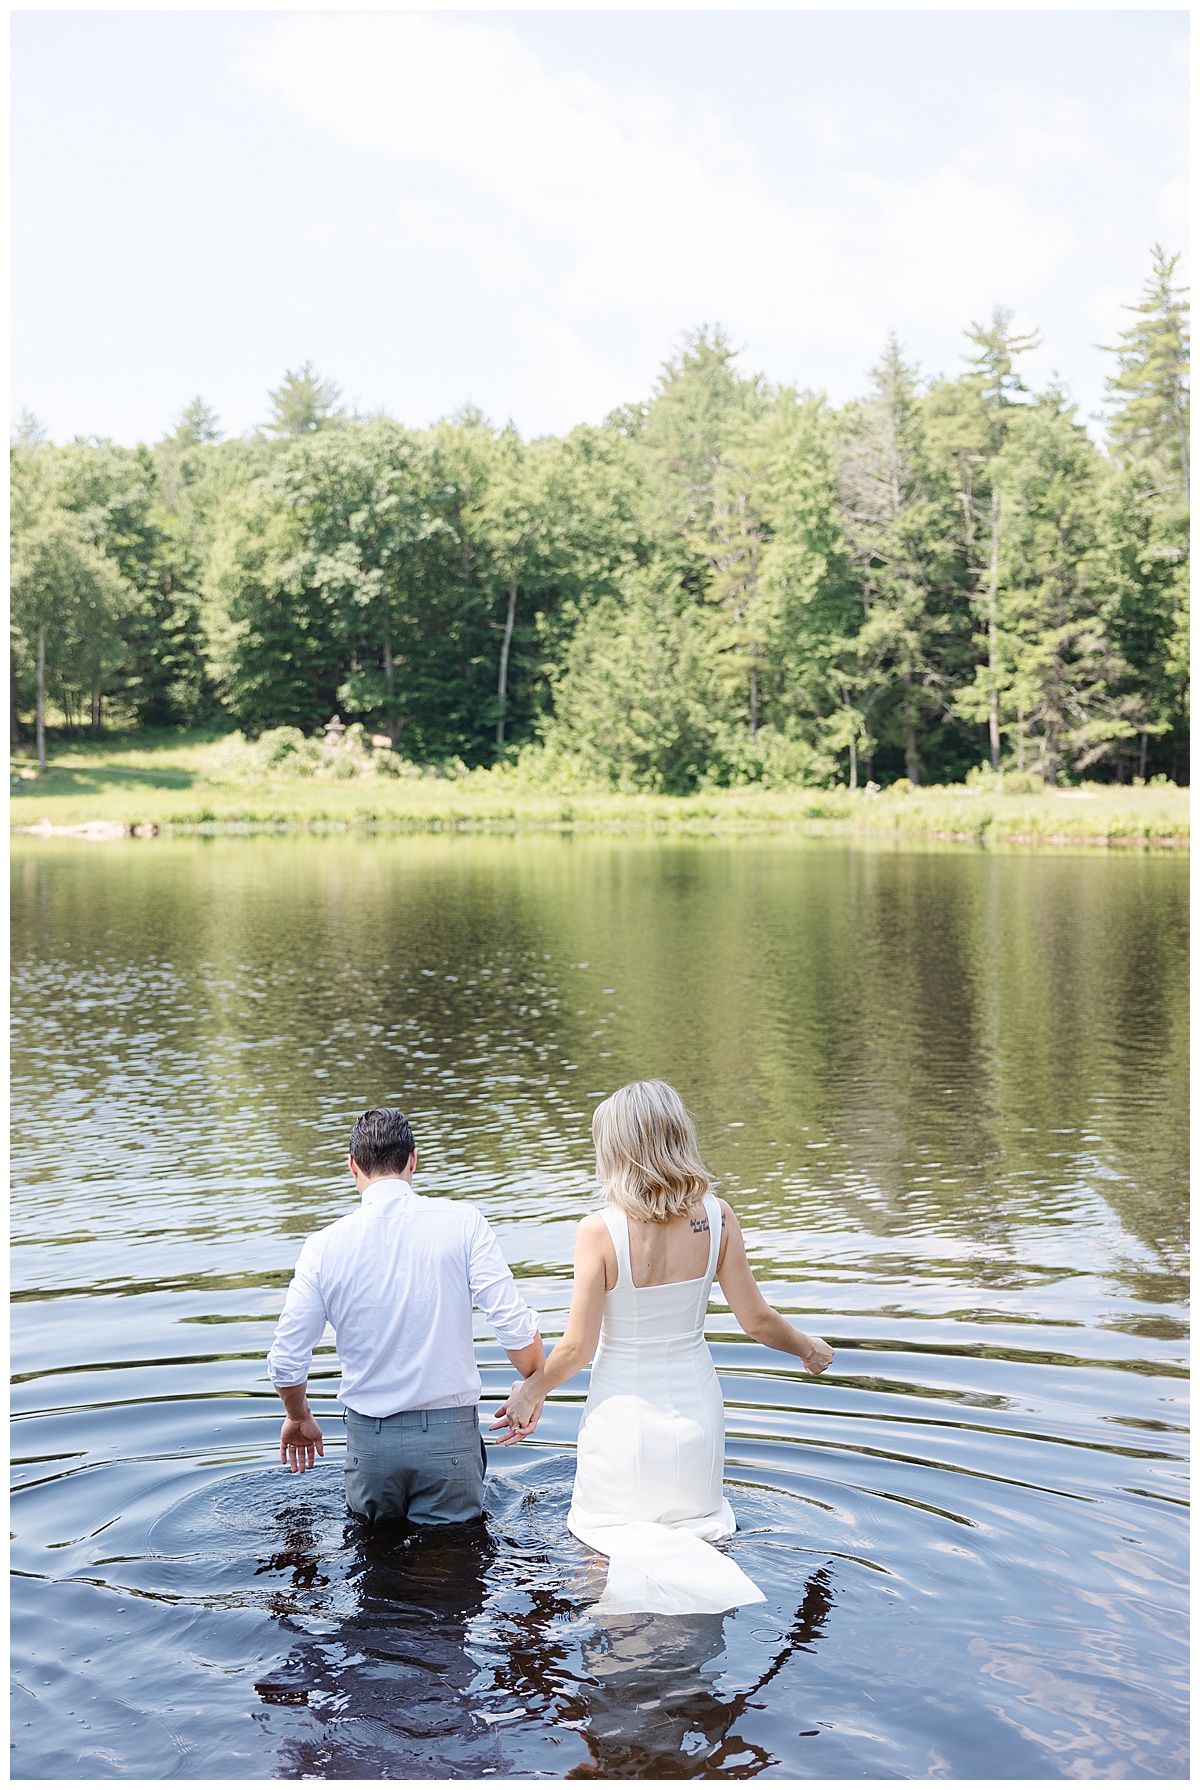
(300,1439)
(528,1360)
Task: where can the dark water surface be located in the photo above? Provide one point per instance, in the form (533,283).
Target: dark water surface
(945,1091)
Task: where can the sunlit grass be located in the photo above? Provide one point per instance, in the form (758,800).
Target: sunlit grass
(190,781)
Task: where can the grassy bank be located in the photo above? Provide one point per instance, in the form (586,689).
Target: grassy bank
(198,784)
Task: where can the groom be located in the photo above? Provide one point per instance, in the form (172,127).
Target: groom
(396,1278)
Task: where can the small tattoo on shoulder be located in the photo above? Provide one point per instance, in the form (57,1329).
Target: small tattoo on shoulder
(699,1224)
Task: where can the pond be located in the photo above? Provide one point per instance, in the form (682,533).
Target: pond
(945,1091)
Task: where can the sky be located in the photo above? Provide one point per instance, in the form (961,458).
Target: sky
(526,211)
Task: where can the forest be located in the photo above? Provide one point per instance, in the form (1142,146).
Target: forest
(729,583)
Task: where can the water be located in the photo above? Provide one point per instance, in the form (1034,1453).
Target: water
(944,1090)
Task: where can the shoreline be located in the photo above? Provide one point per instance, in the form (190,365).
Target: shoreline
(990,831)
(203,787)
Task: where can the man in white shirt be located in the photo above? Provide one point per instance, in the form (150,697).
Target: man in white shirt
(396,1279)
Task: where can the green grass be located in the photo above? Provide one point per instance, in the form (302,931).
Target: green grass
(183,783)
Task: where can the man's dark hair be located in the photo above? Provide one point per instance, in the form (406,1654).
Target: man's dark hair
(382,1141)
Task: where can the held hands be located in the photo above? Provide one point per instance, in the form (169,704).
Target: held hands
(518,1415)
(817,1356)
(300,1442)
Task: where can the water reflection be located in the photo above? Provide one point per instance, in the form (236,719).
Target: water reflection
(945,1091)
(651,1707)
(386,1685)
(390,1686)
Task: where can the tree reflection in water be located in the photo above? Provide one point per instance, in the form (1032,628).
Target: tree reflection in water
(397,1686)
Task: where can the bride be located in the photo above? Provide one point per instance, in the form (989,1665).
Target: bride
(649,1477)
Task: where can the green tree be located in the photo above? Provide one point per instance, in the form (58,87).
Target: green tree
(968,423)
(197,424)
(629,702)
(67,599)
(1000,389)
(701,445)
(1058,681)
(900,524)
(808,607)
(29,432)
(303,403)
(271,650)
(116,494)
(1150,391)
(1147,521)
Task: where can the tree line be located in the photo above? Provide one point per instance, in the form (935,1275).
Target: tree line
(730,582)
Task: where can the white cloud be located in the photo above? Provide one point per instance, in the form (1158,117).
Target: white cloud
(616,200)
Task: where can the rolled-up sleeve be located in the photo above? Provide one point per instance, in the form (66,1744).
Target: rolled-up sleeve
(301,1322)
(494,1290)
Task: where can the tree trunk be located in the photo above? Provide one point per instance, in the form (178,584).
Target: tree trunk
(1142,757)
(993,635)
(502,681)
(854,764)
(15,736)
(912,764)
(96,711)
(753,702)
(41,697)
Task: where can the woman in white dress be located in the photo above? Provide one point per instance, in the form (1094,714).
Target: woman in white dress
(649,1478)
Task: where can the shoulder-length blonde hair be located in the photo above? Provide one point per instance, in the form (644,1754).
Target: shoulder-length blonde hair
(646,1152)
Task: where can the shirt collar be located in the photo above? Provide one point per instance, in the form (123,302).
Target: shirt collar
(392,1187)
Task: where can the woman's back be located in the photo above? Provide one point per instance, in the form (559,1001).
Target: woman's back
(675,1251)
(666,1303)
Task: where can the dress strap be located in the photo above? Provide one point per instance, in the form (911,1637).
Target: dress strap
(712,1206)
(618,1230)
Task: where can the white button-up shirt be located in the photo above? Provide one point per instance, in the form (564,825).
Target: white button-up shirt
(397,1278)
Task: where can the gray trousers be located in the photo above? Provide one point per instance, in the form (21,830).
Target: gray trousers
(422,1467)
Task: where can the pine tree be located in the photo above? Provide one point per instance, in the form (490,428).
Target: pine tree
(1147,516)
(1151,390)
(197,424)
(898,516)
(303,403)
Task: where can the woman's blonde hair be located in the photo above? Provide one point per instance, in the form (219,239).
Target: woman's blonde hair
(647,1153)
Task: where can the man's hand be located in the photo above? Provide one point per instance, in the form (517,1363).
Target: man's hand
(519,1413)
(300,1442)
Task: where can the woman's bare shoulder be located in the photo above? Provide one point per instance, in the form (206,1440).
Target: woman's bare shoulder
(593,1228)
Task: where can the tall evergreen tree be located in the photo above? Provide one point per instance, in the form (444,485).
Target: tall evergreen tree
(1150,391)
(899,523)
(1000,387)
(303,403)
(1147,516)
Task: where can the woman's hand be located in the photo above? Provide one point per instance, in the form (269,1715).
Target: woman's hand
(523,1406)
(817,1356)
(520,1412)
(300,1442)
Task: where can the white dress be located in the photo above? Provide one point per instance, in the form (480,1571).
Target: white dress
(649,1478)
